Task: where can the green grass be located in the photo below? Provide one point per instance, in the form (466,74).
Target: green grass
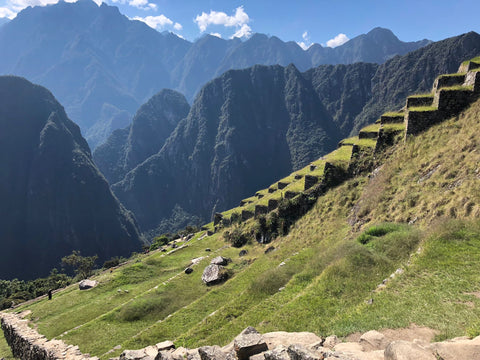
(393,113)
(371,128)
(5,349)
(393,127)
(423,108)
(365,143)
(429,95)
(457,88)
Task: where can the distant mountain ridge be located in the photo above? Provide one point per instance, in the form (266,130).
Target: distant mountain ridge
(54,199)
(103,66)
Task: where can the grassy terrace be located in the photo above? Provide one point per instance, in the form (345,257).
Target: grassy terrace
(424,108)
(421,95)
(393,127)
(371,128)
(458,88)
(394,113)
(295,182)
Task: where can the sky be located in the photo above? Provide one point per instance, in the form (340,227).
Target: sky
(330,23)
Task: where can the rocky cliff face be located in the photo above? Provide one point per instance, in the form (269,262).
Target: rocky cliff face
(54,199)
(244,130)
(152,124)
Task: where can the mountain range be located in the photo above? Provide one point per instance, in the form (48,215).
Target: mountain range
(54,199)
(102,66)
(249,127)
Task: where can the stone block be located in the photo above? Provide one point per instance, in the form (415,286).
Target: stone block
(249,343)
(282,185)
(417,101)
(272,204)
(247,215)
(447,81)
(310,181)
(260,210)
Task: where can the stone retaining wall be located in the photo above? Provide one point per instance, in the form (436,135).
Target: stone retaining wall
(27,344)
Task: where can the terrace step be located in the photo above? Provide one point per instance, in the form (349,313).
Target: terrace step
(417,101)
(469,66)
(393,118)
(448,80)
(367,134)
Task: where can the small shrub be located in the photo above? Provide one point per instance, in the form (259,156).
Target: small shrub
(160,241)
(236,237)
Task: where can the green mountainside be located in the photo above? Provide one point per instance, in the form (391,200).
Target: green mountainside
(389,235)
(54,199)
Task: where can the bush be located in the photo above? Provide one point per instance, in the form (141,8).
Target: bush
(114,261)
(159,241)
(236,237)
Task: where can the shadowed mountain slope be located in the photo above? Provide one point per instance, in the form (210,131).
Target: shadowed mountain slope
(54,199)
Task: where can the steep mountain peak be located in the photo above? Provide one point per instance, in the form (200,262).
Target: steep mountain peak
(54,199)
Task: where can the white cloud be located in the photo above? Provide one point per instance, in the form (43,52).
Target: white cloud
(239,20)
(139,4)
(155,22)
(244,31)
(178,26)
(306,43)
(6,13)
(338,40)
(217,35)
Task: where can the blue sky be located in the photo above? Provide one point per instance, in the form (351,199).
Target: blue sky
(304,21)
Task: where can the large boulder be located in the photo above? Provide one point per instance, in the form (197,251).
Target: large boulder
(135,355)
(373,340)
(248,343)
(277,338)
(298,352)
(404,350)
(214,274)
(220,260)
(87,284)
(278,353)
(459,348)
(212,353)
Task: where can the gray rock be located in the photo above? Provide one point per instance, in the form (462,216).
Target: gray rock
(211,353)
(278,353)
(298,352)
(220,260)
(135,355)
(404,350)
(269,250)
(243,253)
(248,343)
(330,341)
(165,345)
(214,274)
(373,340)
(87,284)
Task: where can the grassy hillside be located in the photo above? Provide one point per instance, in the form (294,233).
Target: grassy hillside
(419,212)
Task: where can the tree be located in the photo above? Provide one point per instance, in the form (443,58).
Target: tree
(82,265)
